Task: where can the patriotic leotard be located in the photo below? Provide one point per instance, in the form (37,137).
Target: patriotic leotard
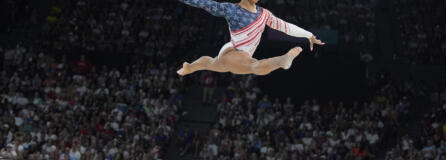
(246,27)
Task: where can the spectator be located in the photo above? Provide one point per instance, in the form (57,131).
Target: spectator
(281,131)
(82,65)
(208,87)
(50,112)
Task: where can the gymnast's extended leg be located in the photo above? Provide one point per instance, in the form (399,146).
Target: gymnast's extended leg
(266,66)
(240,62)
(202,63)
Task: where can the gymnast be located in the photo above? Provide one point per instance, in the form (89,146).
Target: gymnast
(247,22)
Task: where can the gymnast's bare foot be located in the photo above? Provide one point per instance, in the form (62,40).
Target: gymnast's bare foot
(185,70)
(293,53)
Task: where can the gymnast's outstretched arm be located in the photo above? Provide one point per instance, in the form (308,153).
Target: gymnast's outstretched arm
(291,29)
(215,8)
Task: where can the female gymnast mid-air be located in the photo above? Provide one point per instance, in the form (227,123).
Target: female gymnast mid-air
(246,24)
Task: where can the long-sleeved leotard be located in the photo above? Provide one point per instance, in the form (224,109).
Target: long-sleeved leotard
(246,27)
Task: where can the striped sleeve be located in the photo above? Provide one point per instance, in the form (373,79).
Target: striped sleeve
(285,27)
(215,8)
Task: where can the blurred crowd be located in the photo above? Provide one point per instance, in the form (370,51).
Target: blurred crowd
(130,26)
(252,125)
(162,27)
(431,144)
(421,29)
(55,108)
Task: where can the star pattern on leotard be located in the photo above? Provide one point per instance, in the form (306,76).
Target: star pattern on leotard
(241,17)
(244,20)
(214,8)
(236,16)
(201,5)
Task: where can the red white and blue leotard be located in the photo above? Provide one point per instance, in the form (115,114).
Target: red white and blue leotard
(246,27)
